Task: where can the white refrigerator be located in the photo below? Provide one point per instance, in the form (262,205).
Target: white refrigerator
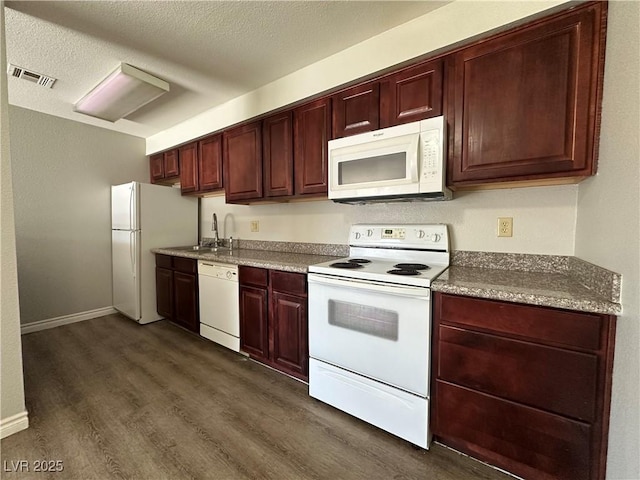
(143,217)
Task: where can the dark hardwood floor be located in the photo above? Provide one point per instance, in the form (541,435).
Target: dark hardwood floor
(113,399)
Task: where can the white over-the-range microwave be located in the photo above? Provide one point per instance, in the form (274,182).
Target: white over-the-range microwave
(401,163)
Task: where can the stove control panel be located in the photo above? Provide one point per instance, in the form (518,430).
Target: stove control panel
(394,233)
(418,236)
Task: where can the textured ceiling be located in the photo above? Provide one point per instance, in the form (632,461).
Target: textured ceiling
(210,52)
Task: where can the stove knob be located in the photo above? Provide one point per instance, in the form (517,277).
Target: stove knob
(420,233)
(435,237)
(357,235)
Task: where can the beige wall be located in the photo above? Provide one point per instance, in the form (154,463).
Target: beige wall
(62,174)
(608,232)
(543,219)
(11,386)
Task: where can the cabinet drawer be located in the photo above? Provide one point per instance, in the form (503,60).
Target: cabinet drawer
(288,282)
(553,379)
(253,276)
(163,261)
(523,440)
(186,265)
(543,324)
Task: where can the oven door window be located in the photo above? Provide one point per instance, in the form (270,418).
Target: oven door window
(379,331)
(375,321)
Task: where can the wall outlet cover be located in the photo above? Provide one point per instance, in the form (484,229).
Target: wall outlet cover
(505,226)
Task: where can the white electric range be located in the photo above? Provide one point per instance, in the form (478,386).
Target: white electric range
(370,326)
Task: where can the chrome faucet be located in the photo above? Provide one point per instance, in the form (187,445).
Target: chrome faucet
(214,227)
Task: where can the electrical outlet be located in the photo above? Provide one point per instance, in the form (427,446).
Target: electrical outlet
(255,226)
(505,226)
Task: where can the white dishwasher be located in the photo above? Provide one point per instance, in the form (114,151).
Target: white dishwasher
(219,306)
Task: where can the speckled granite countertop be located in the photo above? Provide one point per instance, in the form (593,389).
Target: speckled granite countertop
(286,261)
(534,288)
(546,280)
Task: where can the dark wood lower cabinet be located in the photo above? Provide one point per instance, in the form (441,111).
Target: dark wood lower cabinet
(289,330)
(521,387)
(164,292)
(177,290)
(185,287)
(254,338)
(273,319)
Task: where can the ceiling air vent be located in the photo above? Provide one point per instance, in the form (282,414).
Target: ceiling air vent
(31,76)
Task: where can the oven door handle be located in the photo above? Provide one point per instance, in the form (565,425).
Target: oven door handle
(370,286)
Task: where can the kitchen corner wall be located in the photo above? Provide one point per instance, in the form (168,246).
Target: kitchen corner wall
(62,176)
(608,226)
(13,416)
(544,219)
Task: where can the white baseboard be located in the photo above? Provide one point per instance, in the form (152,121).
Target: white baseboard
(14,424)
(64,320)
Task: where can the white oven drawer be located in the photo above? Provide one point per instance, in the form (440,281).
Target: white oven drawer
(393,410)
(380,331)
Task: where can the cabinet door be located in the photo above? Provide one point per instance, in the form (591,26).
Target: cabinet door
(525,103)
(277,159)
(254,337)
(189,168)
(164,292)
(242,155)
(412,94)
(186,300)
(156,167)
(210,163)
(171,163)
(312,127)
(290,350)
(356,110)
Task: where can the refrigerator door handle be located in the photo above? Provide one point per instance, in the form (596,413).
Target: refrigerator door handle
(132,251)
(131,197)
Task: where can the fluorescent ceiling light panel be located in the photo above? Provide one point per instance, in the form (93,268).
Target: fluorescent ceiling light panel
(121,93)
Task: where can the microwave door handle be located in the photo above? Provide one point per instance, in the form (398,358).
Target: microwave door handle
(386,288)
(415,155)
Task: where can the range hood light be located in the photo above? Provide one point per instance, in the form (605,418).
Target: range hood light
(121,93)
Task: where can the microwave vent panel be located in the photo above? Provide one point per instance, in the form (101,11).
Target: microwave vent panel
(31,76)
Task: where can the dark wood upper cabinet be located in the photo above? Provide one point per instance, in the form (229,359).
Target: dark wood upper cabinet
(171,163)
(242,154)
(189,167)
(156,167)
(277,155)
(210,163)
(356,110)
(525,103)
(522,108)
(311,133)
(164,167)
(412,94)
